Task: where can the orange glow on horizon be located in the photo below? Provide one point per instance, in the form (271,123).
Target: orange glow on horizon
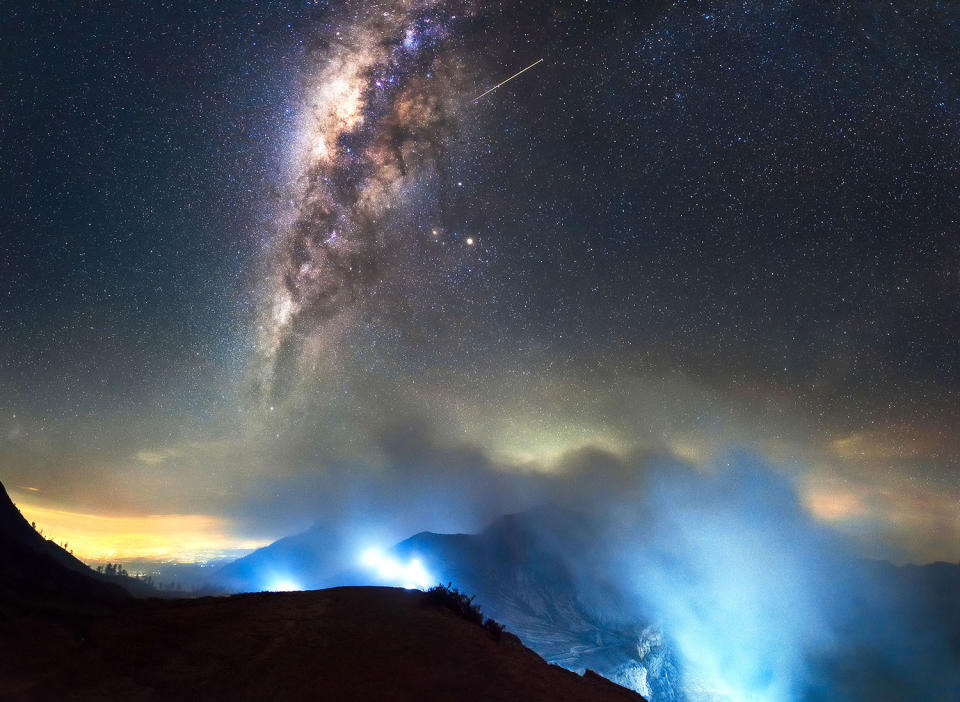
(163,537)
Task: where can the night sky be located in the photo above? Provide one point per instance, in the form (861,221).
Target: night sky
(266,262)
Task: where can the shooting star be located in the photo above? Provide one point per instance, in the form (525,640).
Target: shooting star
(507,80)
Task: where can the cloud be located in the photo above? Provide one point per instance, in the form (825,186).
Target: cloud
(756,593)
(156,457)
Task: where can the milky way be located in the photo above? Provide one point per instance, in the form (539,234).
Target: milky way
(690,227)
(373,123)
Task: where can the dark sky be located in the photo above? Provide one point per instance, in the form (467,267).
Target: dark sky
(694,226)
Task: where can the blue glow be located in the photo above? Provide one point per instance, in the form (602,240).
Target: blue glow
(745,582)
(283,584)
(388,569)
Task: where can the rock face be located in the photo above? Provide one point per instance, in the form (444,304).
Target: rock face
(519,570)
(341,644)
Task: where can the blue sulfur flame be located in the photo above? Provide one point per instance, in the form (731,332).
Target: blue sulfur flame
(387,569)
(283,584)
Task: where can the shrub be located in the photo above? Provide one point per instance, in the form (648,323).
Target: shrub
(451,598)
(458,602)
(494,627)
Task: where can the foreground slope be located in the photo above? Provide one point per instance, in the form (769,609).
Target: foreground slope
(355,643)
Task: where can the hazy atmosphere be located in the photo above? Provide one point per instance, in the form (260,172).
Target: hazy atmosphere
(346,272)
(271,264)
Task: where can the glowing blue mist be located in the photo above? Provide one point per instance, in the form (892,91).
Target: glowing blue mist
(732,588)
(761,602)
(738,573)
(282,583)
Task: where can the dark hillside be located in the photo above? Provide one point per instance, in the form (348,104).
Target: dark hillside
(339,644)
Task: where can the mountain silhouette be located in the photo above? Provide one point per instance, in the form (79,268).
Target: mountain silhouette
(519,569)
(68,635)
(37,573)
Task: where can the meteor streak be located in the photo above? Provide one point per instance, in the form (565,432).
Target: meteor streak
(507,80)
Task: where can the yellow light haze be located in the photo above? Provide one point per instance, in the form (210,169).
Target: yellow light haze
(162,537)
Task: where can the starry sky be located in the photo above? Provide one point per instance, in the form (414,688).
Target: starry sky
(269,263)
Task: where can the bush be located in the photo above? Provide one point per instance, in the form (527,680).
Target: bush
(458,602)
(494,627)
